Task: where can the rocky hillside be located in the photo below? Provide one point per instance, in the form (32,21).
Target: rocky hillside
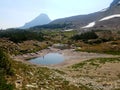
(87,21)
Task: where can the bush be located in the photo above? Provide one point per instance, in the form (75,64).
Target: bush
(21,35)
(5,63)
(5,69)
(86,36)
(3,82)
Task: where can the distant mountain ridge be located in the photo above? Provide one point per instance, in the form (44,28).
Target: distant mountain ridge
(114,3)
(93,20)
(40,20)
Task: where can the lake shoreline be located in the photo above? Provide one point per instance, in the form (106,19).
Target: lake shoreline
(71,57)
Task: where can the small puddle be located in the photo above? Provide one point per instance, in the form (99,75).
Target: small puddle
(50,58)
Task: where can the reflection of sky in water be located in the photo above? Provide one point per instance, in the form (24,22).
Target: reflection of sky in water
(50,58)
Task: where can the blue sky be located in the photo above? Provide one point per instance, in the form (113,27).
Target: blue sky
(15,13)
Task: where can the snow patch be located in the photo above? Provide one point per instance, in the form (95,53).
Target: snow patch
(110,17)
(89,25)
(68,30)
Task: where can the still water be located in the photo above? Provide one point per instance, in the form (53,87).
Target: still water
(50,58)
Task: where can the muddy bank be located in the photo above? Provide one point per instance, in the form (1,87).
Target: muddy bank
(71,56)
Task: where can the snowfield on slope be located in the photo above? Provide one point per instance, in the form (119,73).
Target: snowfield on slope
(89,25)
(92,24)
(110,17)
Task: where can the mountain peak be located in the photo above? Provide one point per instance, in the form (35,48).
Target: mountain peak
(115,3)
(39,20)
(43,15)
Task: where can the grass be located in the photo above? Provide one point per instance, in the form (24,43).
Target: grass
(61,72)
(96,62)
(5,70)
(47,78)
(32,46)
(44,78)
(97,70)
(105,60)
(118,75)
(80,65)
(112,52)
(117,89)
(100,49)
(110,47)
(83,87)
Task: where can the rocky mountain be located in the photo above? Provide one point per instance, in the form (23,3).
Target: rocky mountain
(105,18)
(111,20)
(114,3)
(40,20)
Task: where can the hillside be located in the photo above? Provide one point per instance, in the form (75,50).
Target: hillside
(84,20)
(103,45)
(89,46)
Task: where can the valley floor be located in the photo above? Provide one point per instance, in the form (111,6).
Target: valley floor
(93,71)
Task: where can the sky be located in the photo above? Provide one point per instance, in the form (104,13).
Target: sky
(15,13)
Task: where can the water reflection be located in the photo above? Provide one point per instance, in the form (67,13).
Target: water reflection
(50,58)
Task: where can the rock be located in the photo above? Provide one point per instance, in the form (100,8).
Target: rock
(32,86)
(18,83)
